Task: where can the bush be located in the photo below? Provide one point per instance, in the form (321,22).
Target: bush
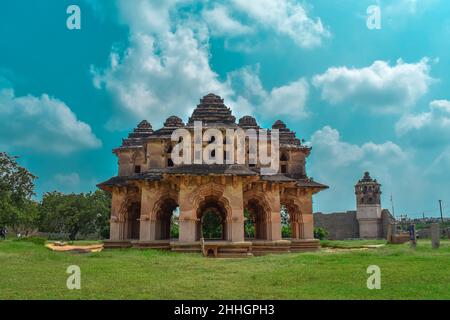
(320,233)
(286,231)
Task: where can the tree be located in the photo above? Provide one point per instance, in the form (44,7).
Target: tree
(101,203)
(75,214)
(249,224)
(17,210)
(286,230)
(212,225)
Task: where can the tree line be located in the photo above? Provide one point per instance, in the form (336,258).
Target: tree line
(69,214)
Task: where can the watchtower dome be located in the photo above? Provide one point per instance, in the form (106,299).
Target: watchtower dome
(368,207)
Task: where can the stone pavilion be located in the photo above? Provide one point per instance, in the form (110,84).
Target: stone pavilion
(151,193)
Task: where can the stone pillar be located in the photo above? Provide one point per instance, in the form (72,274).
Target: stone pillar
(308,226)
(188,216)
(274,223)
(117,221)
(306,223)
(235,223)
(295,230)
(187,225)
(435,235)
(147,220)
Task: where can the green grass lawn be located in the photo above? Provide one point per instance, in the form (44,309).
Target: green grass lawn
(31,271)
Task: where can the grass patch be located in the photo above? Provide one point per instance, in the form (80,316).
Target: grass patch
(31,271)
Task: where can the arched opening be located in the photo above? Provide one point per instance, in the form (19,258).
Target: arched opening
(167,220)
(256,221)
(133,221)
(291,222)
(286,229)
(283,157)
(169,163)
(212,220)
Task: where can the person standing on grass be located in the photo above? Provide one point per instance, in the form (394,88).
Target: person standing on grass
(3,233)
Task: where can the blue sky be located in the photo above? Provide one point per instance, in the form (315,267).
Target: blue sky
(376,100)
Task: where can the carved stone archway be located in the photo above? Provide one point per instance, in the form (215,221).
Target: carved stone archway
(214,207)
(129,215)
(211,197)
(162,215)
(262,213)
(293,206)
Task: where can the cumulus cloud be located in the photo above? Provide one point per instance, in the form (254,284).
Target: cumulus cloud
(287,100)
(286,17)
(328,143)
(42,124)
(379,87)
(166,67)
(221,23)
(427,128)
(159,76)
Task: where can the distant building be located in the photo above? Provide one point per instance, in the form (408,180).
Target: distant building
(369,221)
(368,207)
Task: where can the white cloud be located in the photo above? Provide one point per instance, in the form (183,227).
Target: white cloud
(166,69)
(221,23)
(147,16)
(159,76)
(285,17)
(427,128)
(43,124)
(67,180)
(379,87)
(328,144)
(288,100)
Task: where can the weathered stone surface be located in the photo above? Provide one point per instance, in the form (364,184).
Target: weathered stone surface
(435,235)
(149,187)
(340,226)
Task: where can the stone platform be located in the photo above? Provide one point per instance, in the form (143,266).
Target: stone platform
(222,249)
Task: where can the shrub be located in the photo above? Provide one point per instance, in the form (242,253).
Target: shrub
(320,233)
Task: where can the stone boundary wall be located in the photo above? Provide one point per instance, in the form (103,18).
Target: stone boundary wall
(386,219)
(340,226)
(344,225)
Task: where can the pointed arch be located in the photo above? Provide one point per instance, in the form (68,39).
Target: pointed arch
(293,207)
(260,213)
